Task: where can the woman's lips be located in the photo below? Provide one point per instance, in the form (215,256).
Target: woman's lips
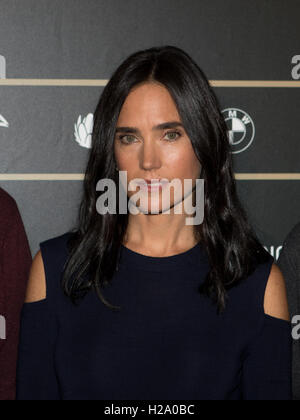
(152,186)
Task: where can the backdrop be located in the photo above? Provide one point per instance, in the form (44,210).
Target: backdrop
(57,55)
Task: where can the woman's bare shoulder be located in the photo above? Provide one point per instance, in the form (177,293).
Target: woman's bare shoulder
(36,287)
(275,302)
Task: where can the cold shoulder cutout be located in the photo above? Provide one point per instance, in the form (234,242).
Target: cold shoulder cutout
(167,342)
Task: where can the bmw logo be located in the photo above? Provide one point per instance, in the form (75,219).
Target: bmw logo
(241,129)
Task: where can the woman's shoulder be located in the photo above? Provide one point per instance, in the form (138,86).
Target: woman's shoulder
(275,296)
(262,294)
(56,245)
(254,285)
(47,267)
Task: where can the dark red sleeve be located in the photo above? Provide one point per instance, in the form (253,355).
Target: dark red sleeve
(15,262)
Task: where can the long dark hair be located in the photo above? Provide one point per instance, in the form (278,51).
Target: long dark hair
(232,247)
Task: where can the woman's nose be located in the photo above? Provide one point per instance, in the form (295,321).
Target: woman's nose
(150,157)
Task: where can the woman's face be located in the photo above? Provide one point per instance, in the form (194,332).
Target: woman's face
(147,151)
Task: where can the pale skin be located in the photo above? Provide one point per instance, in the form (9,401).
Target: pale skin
(154,153)
(150,153)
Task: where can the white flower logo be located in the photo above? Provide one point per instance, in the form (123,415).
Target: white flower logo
(83,131)
(3,122)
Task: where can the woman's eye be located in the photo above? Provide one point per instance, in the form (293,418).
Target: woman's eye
(173,135)
(126,141)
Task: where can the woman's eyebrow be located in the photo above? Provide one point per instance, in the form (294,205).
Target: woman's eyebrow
(163,126)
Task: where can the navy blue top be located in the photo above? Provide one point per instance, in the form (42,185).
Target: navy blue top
(166,343)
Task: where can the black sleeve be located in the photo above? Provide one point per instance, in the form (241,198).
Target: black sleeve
(36,376)
(267,368)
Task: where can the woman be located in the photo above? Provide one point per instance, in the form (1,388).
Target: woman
(149,307)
